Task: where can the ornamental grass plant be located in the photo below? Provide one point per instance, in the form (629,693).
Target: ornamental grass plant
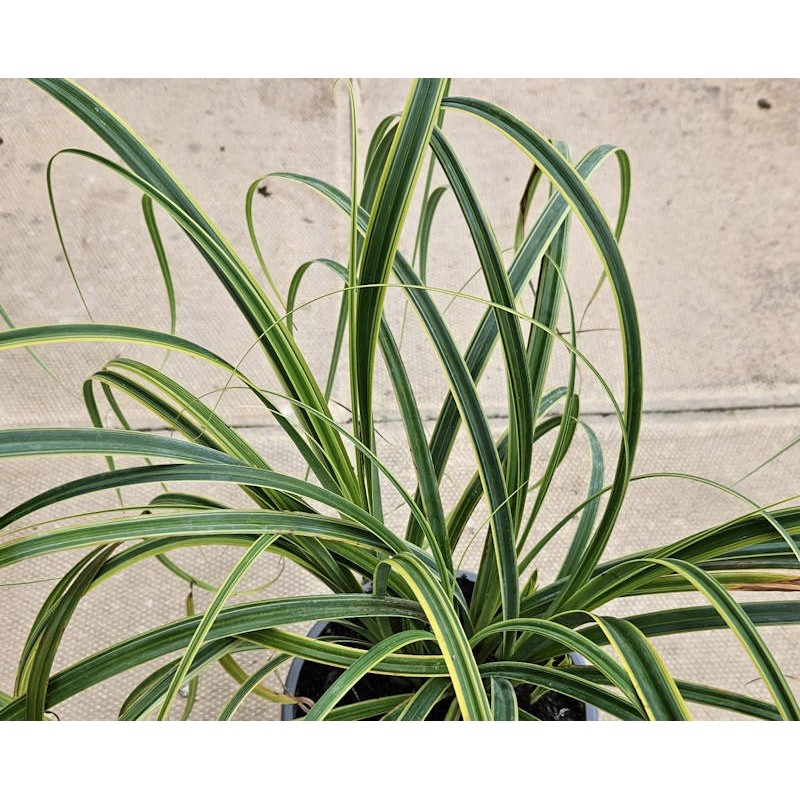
(392,586)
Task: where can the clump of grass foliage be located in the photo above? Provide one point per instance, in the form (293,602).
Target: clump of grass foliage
(413,620)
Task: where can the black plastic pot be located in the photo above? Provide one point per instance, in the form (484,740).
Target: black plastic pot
(290,712)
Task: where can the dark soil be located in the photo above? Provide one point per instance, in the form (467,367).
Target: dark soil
(315,679)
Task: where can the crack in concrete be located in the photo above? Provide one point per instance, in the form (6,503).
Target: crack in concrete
(497,416)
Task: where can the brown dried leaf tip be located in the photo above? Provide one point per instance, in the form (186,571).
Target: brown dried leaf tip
(779,585)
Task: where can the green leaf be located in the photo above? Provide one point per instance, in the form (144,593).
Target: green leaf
(589,514)
(126,442)
(504,702)
(366,709)
(161,255)
(424,699)
(388,212)
(145,696)
(201,525)
(341,323)
(251,684)
(745,631)
(211,613)
(19,442)
(45,647)
(449,634)
(672,621)
(379,138)
(552,285)
(432,525)
(424,233)
(462,385)
(48,607)
(101,332)
(655,686)
(714,697)
(193,418)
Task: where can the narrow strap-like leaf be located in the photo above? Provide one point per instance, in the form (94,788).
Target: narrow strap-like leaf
(551,286)
(44,334)
(156,180)
(19,442)
(210,614)
(745,631)
(450,636)
(424,699)
(677,621)
(272,335)
(199,524)
(655,686)
(367,709)
(161,256)
(223,472)
(504,701)
(717,698)
(49,606)
(388,212)
(46,647)
(589,514)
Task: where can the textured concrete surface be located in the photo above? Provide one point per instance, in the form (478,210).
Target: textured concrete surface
(711,244)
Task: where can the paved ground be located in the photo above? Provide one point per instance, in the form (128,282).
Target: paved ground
(711,244)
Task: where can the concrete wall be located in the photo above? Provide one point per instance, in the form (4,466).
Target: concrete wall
(711,244)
